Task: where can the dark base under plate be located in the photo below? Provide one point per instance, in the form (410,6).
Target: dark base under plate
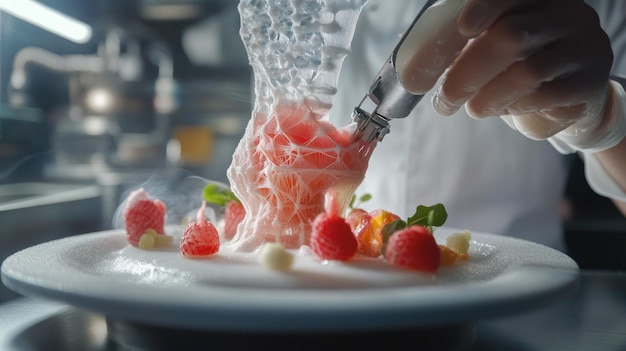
(76,330)
(133,336)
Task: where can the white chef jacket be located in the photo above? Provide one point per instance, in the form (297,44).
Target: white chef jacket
(490,177)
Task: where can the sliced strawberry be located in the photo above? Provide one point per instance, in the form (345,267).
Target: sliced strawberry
(233,215)
(414,248)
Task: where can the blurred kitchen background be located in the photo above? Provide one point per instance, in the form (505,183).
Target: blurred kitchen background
(100,96)
(143,90)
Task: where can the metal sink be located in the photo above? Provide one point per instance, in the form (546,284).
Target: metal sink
(33,213)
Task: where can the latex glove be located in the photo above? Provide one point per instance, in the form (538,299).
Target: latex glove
(544,63)
(591,134)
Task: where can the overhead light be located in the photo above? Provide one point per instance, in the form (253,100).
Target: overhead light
(48,19)
(99,100)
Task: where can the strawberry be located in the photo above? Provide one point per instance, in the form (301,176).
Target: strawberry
(200,238)
(332,237)
(415,248)
(142,213)
(233,215)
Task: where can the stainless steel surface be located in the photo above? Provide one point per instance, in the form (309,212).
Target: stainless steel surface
(386,99)
(117,116)
(33,212)
(593,318)
(35,194)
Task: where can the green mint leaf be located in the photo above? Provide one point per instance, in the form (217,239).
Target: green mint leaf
(365,198)
(219,195)
(429,216)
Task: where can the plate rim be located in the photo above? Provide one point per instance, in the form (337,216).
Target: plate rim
(303,310)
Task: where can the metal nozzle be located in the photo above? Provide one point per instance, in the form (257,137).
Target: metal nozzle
(387,98)
(369,127)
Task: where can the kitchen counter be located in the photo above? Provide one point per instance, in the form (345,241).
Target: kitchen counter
(35,212)
(591,318)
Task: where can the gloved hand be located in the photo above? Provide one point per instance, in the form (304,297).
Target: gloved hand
(591,133)
(541,64)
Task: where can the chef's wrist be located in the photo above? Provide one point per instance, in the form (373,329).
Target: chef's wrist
(591,135)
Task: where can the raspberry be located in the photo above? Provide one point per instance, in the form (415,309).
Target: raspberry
(332,237)
(200,238)
(414,248)
(233,215)
(143,213)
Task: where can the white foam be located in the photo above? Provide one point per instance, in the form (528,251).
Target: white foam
(291,154)
(296,47)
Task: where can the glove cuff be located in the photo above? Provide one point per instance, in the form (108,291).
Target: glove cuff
(589,136)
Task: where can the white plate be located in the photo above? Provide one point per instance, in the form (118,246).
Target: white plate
(231,291)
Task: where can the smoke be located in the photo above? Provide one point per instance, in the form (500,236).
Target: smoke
(179,189)
(181,193)
(12,170)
